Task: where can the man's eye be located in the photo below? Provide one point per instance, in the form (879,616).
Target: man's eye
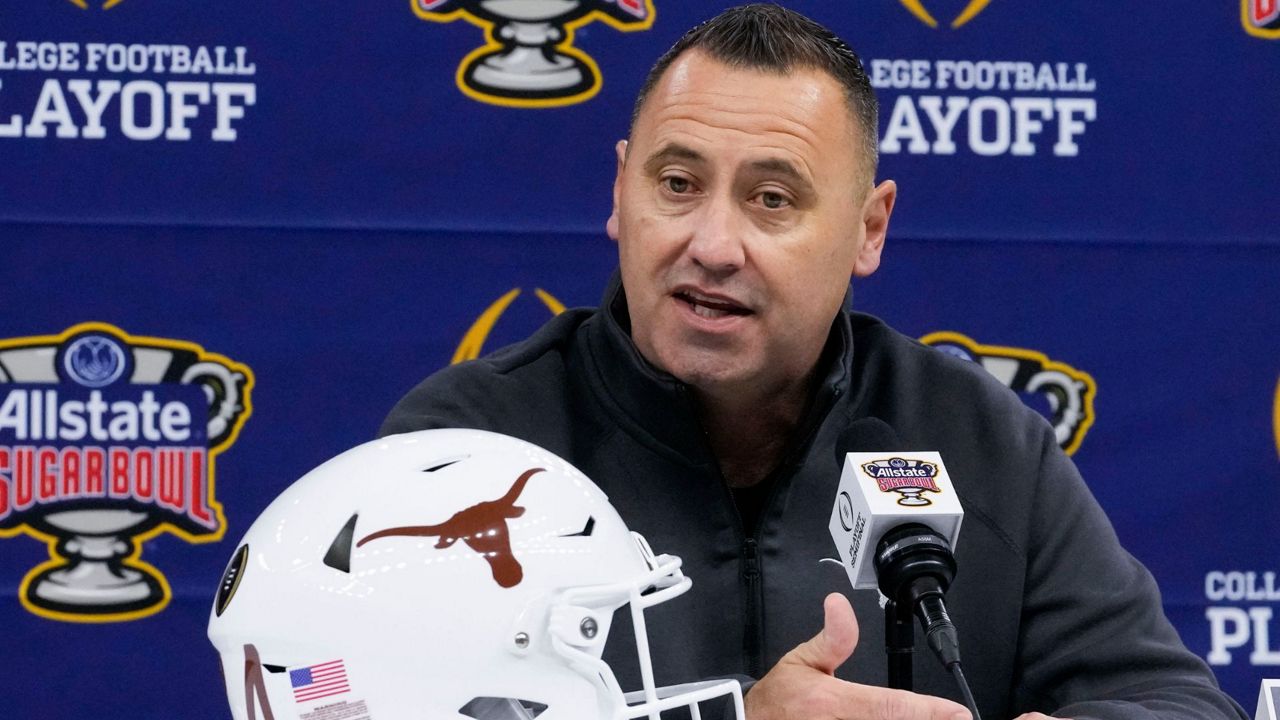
(677,184)
(773,200)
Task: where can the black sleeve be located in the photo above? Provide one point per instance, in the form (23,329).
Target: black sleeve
(1095,643)
(434,403)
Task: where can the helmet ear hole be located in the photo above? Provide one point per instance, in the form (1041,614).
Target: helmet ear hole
(442,463)
(495,708)
(586,530)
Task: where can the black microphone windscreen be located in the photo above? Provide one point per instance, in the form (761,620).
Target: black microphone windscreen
(868,434)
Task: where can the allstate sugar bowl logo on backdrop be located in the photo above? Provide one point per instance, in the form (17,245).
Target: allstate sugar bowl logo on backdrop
(1261,18)
(1067,392)
(970,11)
(528,59)
(107,440)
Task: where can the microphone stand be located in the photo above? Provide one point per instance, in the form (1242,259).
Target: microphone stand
(899,644)
(914,566)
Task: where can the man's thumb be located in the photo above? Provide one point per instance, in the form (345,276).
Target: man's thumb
(828,650)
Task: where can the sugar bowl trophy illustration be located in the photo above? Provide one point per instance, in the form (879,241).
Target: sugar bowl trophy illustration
(529,58)
(106,440)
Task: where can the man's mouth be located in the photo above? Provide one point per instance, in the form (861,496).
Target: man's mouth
(710,307)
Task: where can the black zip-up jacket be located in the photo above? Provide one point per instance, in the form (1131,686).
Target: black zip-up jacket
(1053,615)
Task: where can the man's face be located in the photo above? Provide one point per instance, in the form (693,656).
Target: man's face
(741,209)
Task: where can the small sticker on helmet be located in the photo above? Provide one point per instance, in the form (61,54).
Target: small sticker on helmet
(231,579)
(345,710)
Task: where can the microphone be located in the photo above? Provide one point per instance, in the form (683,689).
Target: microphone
(915,567)
(895,521)
(881,488)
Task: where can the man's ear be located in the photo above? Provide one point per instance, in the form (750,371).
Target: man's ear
(875,222)
(611,225)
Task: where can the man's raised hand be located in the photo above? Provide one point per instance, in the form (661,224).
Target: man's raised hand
(803,686)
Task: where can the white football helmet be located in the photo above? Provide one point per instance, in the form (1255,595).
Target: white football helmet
(442,574)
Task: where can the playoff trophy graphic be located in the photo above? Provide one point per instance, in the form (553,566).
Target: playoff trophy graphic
(104,4)
(106,440)
(530,60)
(970,11)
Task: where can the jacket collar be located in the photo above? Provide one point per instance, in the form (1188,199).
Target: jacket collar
(660,408)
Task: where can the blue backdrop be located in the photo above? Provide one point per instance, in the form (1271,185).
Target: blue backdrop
(303,210)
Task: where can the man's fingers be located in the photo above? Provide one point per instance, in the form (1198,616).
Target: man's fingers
(828,650)
(801,684)
(877,703)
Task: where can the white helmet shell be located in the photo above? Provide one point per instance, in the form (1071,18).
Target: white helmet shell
(441,574)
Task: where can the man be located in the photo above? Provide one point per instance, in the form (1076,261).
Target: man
(707,394)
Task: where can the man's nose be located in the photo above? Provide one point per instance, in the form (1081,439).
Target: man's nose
(716,241)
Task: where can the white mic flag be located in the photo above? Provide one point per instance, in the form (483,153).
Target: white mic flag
(882,490)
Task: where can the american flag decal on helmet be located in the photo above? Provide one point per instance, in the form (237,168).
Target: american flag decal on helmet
(314,682)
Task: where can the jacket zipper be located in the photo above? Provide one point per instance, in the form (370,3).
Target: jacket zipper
(753,633)
(752,640)
(753,637)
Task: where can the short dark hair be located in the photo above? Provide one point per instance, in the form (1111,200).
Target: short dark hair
(763,36)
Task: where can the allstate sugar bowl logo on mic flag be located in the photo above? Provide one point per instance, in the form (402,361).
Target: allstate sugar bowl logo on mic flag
(529,59)
(909,478)
(107,440)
